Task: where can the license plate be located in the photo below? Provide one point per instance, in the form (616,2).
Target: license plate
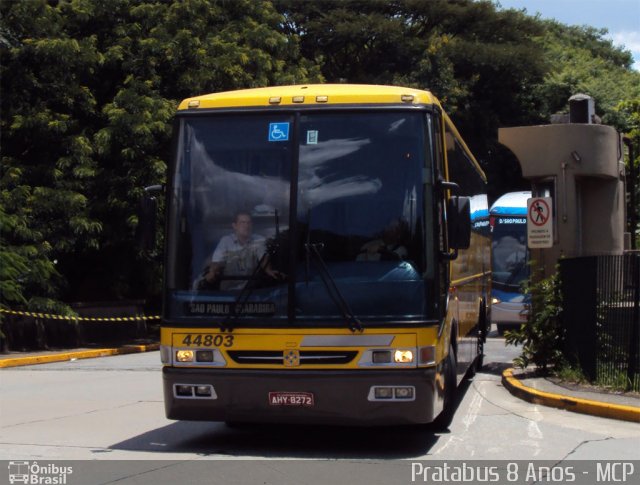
(291,399)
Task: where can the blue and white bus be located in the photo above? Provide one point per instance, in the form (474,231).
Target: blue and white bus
(510,257)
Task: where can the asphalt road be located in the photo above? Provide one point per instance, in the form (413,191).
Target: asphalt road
(110,410)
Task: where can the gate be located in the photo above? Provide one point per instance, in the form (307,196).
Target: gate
(601,317)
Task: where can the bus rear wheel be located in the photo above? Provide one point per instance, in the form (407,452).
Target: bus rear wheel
(481,339)
(479,363)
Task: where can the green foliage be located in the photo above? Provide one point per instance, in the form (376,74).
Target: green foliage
(542,335)
(28,277)
(582,60)
(47,158)
(571,373)
(89,89)
(482,63)
(629,112)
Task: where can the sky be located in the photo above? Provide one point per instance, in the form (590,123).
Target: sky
(620,17)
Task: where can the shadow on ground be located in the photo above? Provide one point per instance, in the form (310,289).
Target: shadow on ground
(290,441)
(285,441)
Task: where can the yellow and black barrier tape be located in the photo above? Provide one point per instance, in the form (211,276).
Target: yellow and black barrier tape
(78,318)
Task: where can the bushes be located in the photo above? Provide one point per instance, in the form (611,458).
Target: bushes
(542,336)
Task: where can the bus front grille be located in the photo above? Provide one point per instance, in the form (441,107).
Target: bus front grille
(307,357)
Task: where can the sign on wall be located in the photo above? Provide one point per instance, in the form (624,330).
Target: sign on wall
(540,222)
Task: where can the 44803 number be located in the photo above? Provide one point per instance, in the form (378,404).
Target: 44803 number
(207,340)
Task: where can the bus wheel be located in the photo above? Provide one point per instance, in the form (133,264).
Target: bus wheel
(484,322)
(479,360)
(477,367)
(443,420)
(482,338)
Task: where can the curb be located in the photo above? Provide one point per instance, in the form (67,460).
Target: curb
(82,354)
(577,405)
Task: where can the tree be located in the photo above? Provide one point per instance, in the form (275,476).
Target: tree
(89,90)
(582,60)
(46,161)
(483,64)
(630,112)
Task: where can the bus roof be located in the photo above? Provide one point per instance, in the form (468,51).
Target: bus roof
(512,203)
(311,94)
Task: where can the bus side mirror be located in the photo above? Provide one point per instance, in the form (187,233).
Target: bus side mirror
(459,222)
(147,218)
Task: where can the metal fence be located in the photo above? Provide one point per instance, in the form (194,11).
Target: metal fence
(601,316)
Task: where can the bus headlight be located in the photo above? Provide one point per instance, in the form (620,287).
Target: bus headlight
(389,358)
(392,393)
(404,392)
(204,355)
(403,356)
(199,357)
(184,356)
(495,300)
(381,356)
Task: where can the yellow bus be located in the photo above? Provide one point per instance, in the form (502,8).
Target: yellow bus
(327,258)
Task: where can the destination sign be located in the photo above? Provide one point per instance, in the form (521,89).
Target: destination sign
(261,308)
(511,220)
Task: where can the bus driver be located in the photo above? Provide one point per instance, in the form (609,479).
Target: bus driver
(238,254)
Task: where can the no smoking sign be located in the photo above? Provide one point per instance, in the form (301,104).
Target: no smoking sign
(540,222)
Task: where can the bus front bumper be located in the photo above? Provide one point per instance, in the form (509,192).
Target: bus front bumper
(339,398)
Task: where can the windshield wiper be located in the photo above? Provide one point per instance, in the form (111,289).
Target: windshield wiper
(332,288)
(245,293)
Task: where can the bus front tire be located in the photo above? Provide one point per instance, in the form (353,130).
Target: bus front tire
(443,420)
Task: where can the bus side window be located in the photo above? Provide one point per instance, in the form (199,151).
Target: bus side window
(443,270)
(440,173)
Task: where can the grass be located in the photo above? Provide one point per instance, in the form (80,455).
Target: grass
(607,379)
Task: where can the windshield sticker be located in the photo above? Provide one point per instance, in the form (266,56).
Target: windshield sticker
(220,308)
(278,131)
(312,137)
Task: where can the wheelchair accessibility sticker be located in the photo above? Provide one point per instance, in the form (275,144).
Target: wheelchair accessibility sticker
(278,131)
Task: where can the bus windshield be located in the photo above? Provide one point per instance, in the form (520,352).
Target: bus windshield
(510,254)
(299,218)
